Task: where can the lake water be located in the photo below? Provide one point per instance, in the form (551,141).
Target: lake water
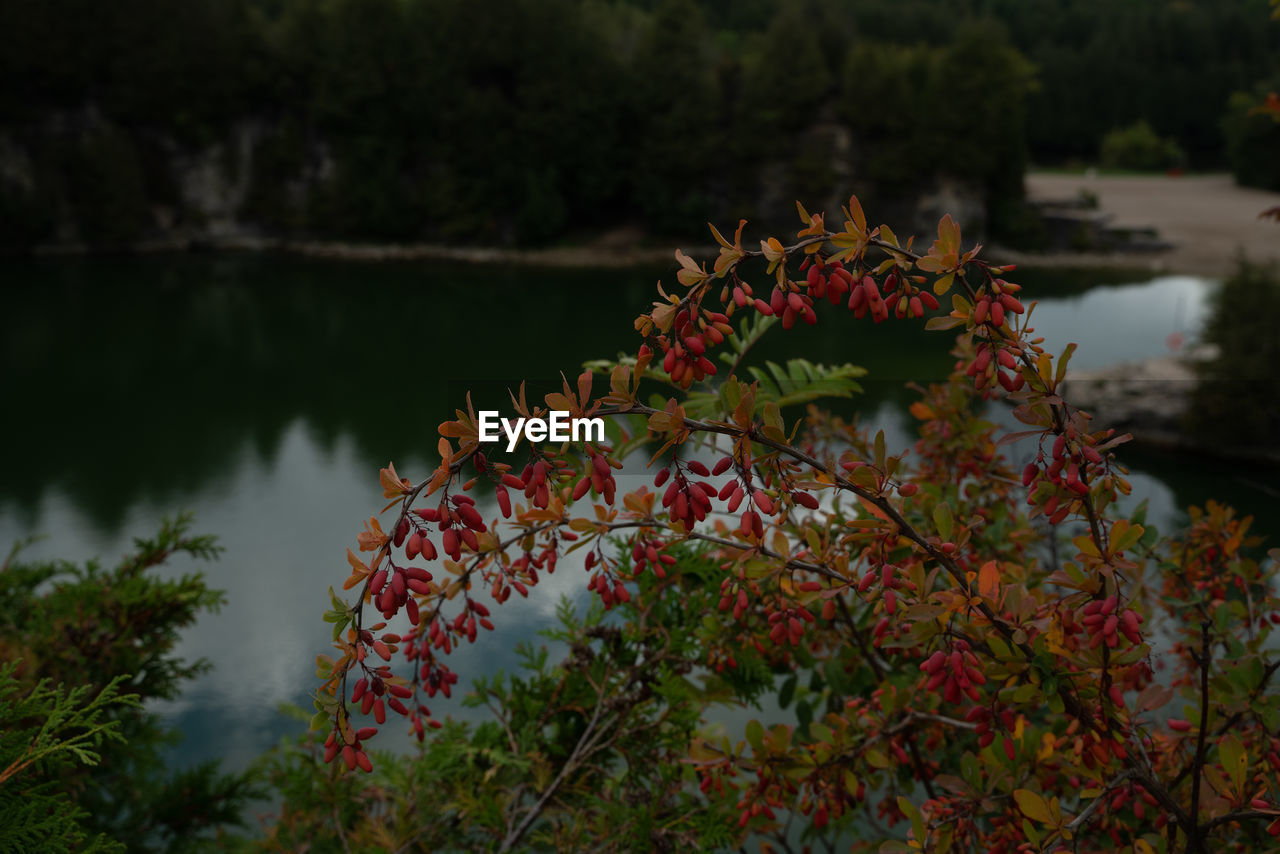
(264,393)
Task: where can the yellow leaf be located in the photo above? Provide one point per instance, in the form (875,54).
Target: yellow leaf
(663,315)
(1033,806)
(1047,742)
(1086,546)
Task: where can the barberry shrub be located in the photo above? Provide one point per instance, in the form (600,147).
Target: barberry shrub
(998,657)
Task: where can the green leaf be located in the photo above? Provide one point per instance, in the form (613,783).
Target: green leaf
(755,734)
(917,820)
(942,519)
(1062,363)
(731,392)
(1234,760)
(787,692)
(1029,830)
(319,721)
(1127,539)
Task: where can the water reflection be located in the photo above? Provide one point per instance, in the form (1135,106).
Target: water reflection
(255,392)
(1123,323)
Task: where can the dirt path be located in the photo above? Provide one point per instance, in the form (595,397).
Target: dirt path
(1206,217)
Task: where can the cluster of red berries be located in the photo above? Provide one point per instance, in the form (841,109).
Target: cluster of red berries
(375,694)
(788,624)
(694,333)
(600,478)
(827,280)
(353,754)
(756,803)
(1074,460)
(1104,623)
(955,672)
(1140,797)
(831,281)
(687,501)
(900,292)
(648,553)
(733,594)
(990,309)
(458,520)
(612,591)
(984,718)
(890,583)
(1003,368)
(391,595)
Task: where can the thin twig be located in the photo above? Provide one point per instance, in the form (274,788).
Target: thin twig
(1197,763)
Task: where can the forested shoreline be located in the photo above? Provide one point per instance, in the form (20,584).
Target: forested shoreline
(524,123)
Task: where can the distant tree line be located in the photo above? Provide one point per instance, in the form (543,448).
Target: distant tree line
(520,121)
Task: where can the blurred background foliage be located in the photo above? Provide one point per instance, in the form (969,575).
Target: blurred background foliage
(535,120)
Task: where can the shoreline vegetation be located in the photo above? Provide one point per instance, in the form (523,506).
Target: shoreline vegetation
(572,256)
(1207,220)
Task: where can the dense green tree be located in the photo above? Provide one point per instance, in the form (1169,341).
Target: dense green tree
(675,136)
(1253,137)
(1235,403)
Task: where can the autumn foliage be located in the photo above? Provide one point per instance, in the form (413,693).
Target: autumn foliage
(1004,660)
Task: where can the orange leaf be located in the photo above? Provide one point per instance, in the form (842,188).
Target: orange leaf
(948,235)
(392,484)
(358,566)
(989,581)
(872,509)
(372,537)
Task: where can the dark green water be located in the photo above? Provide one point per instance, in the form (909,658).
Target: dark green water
(264,393)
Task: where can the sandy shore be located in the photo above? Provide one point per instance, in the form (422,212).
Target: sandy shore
(1207,218)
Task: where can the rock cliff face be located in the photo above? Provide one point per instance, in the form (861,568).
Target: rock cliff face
(76,181)
(1150,400)
(214,182)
